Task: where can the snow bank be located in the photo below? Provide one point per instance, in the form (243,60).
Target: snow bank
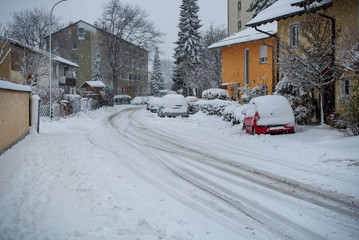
(215,93)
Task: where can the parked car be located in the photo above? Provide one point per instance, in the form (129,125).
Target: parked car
(153,104)
(122,99)
(269,114)
(139,101)
(173,106)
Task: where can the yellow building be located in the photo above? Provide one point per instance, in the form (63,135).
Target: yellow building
(249,59)
(343,14)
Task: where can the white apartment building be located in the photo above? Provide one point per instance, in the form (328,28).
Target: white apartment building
(238,15)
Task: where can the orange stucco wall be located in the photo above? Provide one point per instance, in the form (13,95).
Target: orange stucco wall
(14,116)
(259,73)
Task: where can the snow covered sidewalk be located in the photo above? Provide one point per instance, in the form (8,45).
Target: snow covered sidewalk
(81,179)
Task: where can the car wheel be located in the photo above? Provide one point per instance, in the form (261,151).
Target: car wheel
(254,131)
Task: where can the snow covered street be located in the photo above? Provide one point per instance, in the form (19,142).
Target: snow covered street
(124,173)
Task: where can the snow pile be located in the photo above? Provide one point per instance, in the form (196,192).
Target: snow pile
(212,107)
(215,93)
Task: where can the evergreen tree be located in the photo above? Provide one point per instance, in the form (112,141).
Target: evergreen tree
(156,82)
(97,73)
(259,5)
(187,52)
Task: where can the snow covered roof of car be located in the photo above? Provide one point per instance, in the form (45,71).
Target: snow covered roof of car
(14,87)
(247,35)
(283,9)
(94,84)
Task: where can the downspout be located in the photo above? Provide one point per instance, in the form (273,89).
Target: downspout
(276,37)
(272,47)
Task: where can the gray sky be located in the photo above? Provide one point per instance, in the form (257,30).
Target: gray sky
(164,13)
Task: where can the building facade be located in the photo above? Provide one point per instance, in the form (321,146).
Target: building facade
(79,43)
(238,15)
(30,66)
(249,60)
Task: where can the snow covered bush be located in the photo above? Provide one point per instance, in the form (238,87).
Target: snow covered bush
(302,115)
(233,113)
(351,111)
(249,93)
(213,107)
(215,93)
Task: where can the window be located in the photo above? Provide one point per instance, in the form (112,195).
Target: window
(345,87)
(75,59)
(246,66)
(81,33)
(74,46)
(294,35)
(239,25)
(239,5)
(263,54)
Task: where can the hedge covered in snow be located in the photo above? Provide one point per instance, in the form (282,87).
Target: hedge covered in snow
(215,93)
(229,110)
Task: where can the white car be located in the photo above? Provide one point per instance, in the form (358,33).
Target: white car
(153,104)
(173,106)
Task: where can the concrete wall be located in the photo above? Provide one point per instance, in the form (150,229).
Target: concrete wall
(14,117)
(233,15)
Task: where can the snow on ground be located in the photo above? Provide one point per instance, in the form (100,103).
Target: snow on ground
(104,175)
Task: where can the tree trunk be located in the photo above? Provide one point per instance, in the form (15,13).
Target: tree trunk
(321,106)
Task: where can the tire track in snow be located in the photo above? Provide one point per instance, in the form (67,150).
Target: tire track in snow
(294,230)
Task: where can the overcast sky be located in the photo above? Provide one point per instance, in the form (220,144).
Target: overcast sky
(164,13)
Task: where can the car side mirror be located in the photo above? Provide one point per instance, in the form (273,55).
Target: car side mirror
(244,111)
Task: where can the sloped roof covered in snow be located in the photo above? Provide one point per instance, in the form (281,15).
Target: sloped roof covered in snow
(283,9)
(94,84)
(41,51)
(247,35)
(14,87)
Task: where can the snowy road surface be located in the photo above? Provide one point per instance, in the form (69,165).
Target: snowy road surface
(124,173)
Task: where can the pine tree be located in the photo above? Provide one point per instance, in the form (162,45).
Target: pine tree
(97,73)
(259,5)
(187,52)
(156,82)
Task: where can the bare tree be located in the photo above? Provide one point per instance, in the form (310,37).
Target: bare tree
(310,64)
(130,34)
(30,27)
(5,49)
(348,56)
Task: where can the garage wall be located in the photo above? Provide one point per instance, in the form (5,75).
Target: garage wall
(14,117)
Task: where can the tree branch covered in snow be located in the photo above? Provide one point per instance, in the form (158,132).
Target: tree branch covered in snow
(310,65)
(156,83)
(348,56)
(5,48)
(187,52)
(97,67)
(30,27)
(130,34)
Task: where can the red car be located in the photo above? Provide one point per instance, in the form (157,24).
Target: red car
(269,114)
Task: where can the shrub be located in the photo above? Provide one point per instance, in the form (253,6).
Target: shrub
(233,113)
(212,107)
(302,115)
(351,111)
(215,93)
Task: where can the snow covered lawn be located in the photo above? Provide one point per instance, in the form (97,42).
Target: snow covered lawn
(124,173)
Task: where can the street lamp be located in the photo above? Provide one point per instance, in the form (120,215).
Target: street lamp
(51,56)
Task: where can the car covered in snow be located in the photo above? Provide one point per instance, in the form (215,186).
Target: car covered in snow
(139,101)
(173,106)
(122,99)
(269,114)
(153,104)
